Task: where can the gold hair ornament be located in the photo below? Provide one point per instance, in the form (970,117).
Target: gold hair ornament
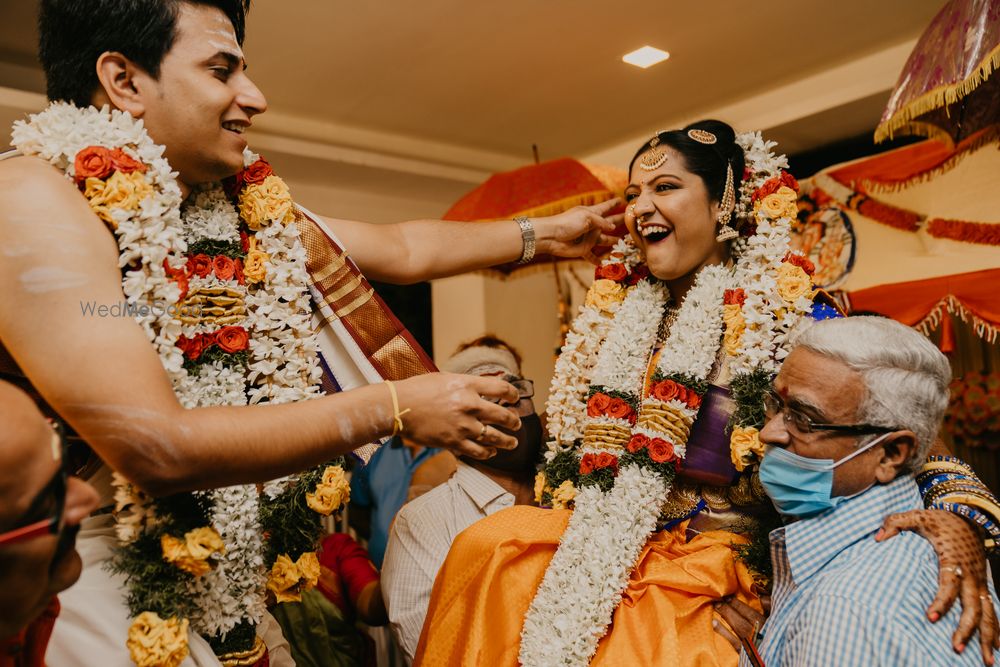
(702,136)
(655,156)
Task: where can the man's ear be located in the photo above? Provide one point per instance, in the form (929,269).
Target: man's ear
(896,451)
(120,83)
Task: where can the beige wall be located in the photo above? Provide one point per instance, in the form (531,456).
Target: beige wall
(967,192)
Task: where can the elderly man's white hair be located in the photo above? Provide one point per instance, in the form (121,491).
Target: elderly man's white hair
(905,377)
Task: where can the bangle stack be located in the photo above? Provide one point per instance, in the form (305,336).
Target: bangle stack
(948,483)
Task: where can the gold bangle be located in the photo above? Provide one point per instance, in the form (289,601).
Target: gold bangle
(397,416)
(947,466)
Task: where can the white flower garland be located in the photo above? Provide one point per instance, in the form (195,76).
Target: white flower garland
(568,390)
(585,579)
(583,583)
(284,364)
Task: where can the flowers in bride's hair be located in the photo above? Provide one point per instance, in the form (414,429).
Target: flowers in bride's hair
(745,446)
(266,202)
(192,553)
(331,492)
(289,580)
(563,495)
(604,294)
(539,486)
(157,642)
(793,282)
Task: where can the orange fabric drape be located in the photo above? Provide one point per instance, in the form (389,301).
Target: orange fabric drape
(972,296)
(483,591)
(903,167)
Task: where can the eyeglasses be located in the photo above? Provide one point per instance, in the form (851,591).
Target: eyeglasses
(525,389)
(803,424)
(45,513)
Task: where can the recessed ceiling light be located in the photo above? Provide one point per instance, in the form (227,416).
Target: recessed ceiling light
(645,57)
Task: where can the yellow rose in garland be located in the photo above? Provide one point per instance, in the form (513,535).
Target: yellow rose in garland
(119,191)
(333,491)
(156,642)
(780,204)
(605,293)
(563,495)
(793,283)
(745,446)
(266,202)
(539,486)
(288,579)
(255,263)
(192,553)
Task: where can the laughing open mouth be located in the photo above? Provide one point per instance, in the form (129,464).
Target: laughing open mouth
(655,233)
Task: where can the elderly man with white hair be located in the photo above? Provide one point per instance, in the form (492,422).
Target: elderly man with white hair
(850,419)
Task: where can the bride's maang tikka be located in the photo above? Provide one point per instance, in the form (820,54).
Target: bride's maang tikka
(655,156)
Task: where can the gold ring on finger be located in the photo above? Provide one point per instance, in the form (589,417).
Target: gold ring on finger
(482,434)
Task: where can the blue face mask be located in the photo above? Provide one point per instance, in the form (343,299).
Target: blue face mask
(801,487)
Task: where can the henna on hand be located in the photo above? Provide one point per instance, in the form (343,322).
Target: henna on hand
(962,574)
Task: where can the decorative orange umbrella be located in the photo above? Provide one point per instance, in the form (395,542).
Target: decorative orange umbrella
(538,190)
(945,90)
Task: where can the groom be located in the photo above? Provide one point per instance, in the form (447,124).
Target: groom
(178,66)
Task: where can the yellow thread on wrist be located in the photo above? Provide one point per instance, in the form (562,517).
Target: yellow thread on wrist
(397,416)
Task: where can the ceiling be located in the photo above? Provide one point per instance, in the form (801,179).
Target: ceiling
(453,89)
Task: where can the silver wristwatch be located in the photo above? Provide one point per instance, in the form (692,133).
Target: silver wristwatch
(527,238)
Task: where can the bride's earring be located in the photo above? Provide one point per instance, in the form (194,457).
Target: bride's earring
(727,233)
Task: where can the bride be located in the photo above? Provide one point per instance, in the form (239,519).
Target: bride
(654,415)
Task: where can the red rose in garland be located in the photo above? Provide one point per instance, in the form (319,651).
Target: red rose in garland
(605,460)
(238,271)
(620,409)
(638,273)
(587,464)
(598,405)
(256,173)
(92,162)
(199,265)
(232,339)
(224,267)
(125,163)
(661,451)
(638,442)
(665,390)
(616,272)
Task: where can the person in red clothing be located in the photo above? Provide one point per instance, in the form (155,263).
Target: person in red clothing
(322,630)
(40,513)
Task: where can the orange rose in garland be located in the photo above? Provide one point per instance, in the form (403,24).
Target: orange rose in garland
(224,267)
(125,163)
(661,451)
(598,405)
(232,339)
(620,409)
(200,265)
(92,162)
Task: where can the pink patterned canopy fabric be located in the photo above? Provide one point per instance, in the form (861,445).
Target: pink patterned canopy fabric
(945,90)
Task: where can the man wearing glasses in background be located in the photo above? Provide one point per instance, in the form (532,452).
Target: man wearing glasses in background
(852,415)
(40,513)
(425,527)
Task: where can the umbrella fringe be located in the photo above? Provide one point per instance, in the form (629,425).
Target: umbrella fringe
(932,320)
(561,205)
(943,96)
